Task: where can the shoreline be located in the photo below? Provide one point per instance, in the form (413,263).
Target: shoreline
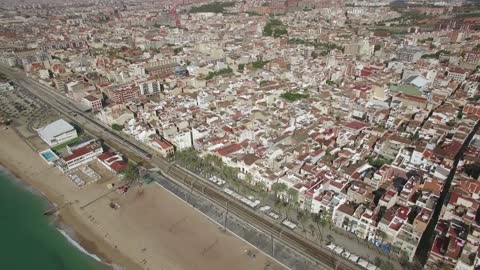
(150,229)
(59,222)
(66,218)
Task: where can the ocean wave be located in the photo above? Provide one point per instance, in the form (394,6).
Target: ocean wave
(26,186)
(78,246)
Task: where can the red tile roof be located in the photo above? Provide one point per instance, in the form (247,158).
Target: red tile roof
(119,166)
(402,212)
(82,151)
(91,98)
(356,125)
(229,149)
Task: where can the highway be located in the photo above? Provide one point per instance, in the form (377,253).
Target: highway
(322,256)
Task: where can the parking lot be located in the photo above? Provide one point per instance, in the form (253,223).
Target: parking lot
(26,112)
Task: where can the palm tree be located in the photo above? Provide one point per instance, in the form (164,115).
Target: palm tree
(322,221)
(330,238)
(248,178)
(382,235)
(312,229)
(346,222)
(304,231)
(292,195)
(279,188)
(131,173)
(261,188)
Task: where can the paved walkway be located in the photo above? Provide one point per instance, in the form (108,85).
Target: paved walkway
(347,240)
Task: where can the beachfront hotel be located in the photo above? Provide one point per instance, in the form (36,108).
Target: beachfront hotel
(57,132)
(80,155)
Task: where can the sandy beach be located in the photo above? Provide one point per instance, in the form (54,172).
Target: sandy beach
(152,229)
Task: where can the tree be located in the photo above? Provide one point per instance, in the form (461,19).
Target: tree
(215,7)
(261,188)
(104,99)
(329,82)
(117,127)
(312,229)
(131,173)
(382,235)
(325,220)
(346,222)
(292,195)
(330,238)
(302,218)
(473,170)
(460,114)
(275,28)
(248,178)
(259,64)
(177,50)
(322,220)
(279,188)
(290,96)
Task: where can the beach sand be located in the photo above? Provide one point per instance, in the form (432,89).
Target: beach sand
(152,229)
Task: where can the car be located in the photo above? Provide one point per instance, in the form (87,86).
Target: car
(331,246)
(353,258)
(338,250)
(265,208)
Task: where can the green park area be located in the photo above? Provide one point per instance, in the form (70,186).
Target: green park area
(290,96)
(275,28)
(65,144)
(215,7)
(220,72)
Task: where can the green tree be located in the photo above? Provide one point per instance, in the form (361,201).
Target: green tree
(261,189)
(292,195)
(278,188)
(293,96)
(104,99)
(131,173)
(275,28)
(216,7)
(117,127)
(311,227)
(382,235)
(177,50)
(259,64)
(248,178)
(460,114)
(330,238)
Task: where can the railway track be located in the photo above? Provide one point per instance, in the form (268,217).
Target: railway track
(306,247)
(316,253)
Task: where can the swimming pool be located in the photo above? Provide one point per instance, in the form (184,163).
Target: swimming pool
(49,156)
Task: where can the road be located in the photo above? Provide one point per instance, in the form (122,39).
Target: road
(322,256)
(428,236)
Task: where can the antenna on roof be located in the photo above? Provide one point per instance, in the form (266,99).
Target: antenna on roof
(294,125)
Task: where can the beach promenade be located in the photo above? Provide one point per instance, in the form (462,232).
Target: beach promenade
(151,229)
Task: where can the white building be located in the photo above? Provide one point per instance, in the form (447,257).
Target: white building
(182,140)
(150,87)
(5,86)
(57,132)
(80,155)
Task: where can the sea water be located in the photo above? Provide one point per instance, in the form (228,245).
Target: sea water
(28,239)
